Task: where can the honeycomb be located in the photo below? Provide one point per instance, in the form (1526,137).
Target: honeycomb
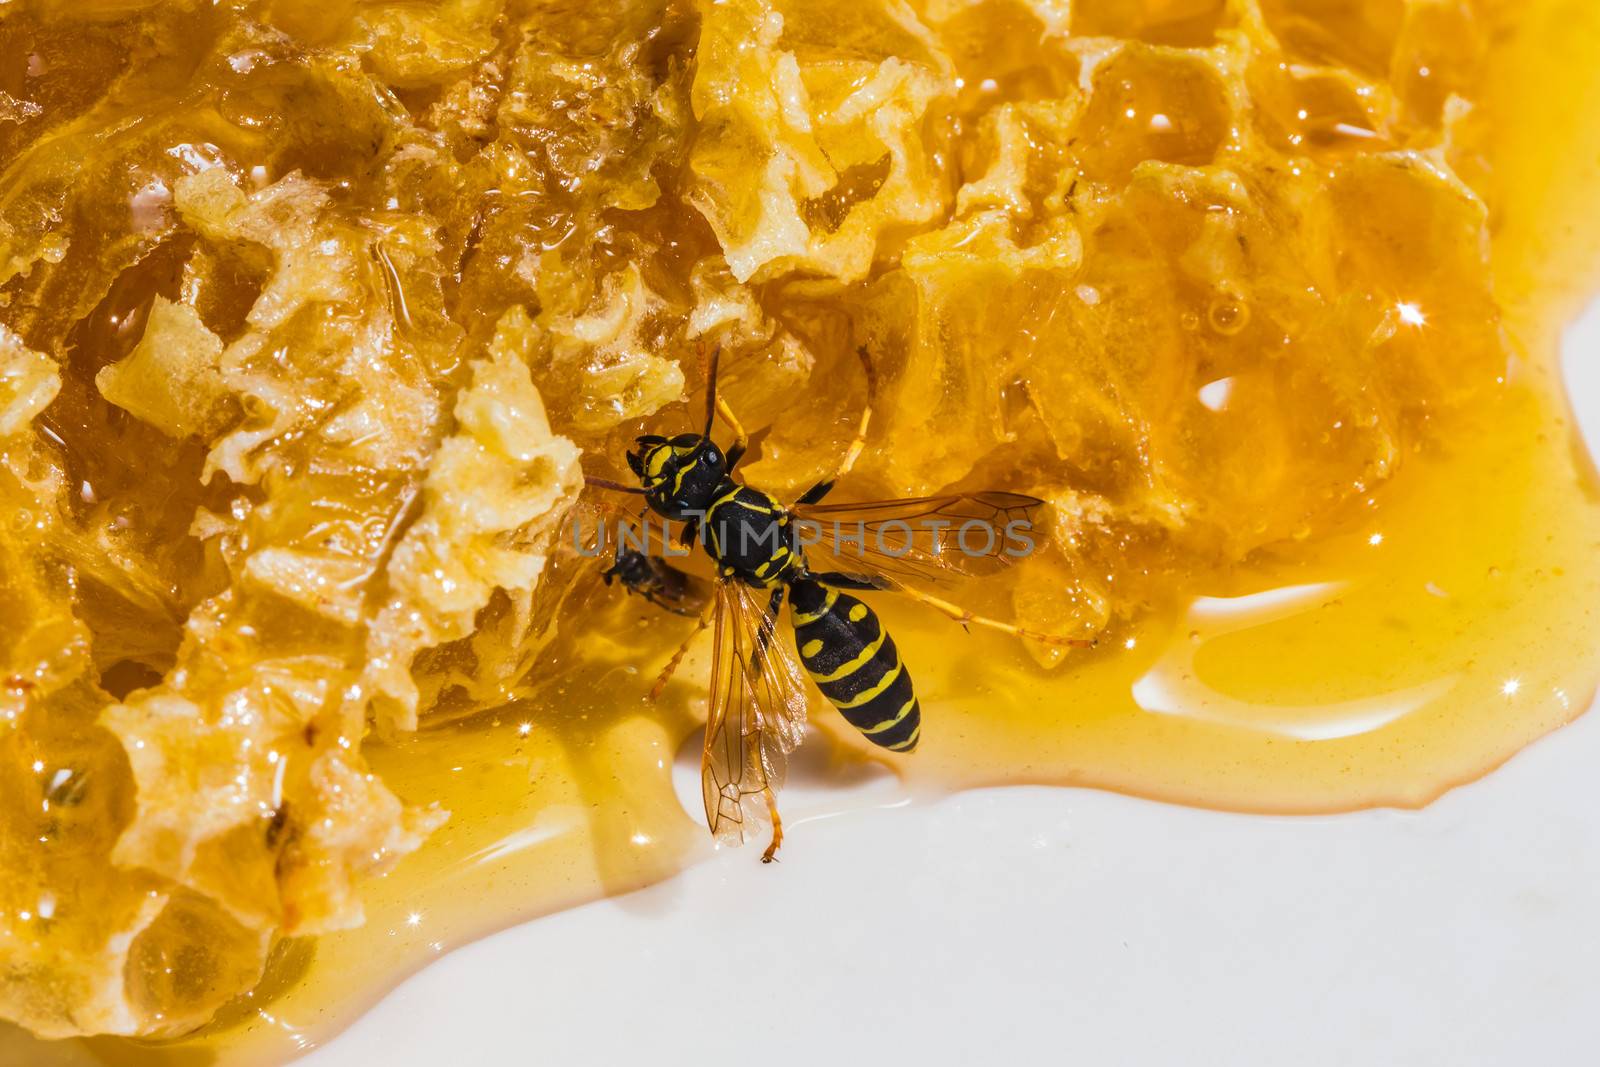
(308,311)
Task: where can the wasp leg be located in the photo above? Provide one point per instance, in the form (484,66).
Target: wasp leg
(718,408)
(777,826)
(964,617)
(687,613)
(840,580)
(677,657)
(741,442)
(851,454)
(822,488)
(769,623)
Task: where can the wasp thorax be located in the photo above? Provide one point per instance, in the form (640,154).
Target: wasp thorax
(680,475)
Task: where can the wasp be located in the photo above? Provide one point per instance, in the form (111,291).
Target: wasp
(757,701)
(656,580)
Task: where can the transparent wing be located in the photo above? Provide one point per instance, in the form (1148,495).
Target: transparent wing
(917,546)
(757,712)
(922,540)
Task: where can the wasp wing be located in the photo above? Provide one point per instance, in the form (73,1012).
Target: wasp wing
(757,712)
(919,546)
(923,540)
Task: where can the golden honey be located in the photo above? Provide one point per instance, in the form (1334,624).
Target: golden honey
(1380,584)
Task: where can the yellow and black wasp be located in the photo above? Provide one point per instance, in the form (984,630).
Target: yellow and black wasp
(758,700)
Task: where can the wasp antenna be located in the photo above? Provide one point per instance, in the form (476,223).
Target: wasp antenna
(711,388)
(872,375)
(615,487)
(716,407)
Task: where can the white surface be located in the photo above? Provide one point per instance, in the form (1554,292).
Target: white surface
(1053,925)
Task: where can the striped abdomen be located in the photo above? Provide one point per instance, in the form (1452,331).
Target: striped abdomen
(853,660)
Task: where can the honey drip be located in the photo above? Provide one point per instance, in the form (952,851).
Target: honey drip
(1424,632)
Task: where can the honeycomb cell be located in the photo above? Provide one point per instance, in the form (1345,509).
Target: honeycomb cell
(1189,23)
(193,957)
(1411,241)
(1003,51)
(1318,112)
(1439,53)
(1149,103)
(1359,34)
(47,80)
(801,109)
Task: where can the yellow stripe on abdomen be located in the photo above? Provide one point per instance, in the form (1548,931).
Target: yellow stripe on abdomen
(855,664)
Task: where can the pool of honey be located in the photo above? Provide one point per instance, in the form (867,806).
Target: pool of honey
(1448,622)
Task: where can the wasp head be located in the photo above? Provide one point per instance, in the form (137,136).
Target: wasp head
(680,475)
